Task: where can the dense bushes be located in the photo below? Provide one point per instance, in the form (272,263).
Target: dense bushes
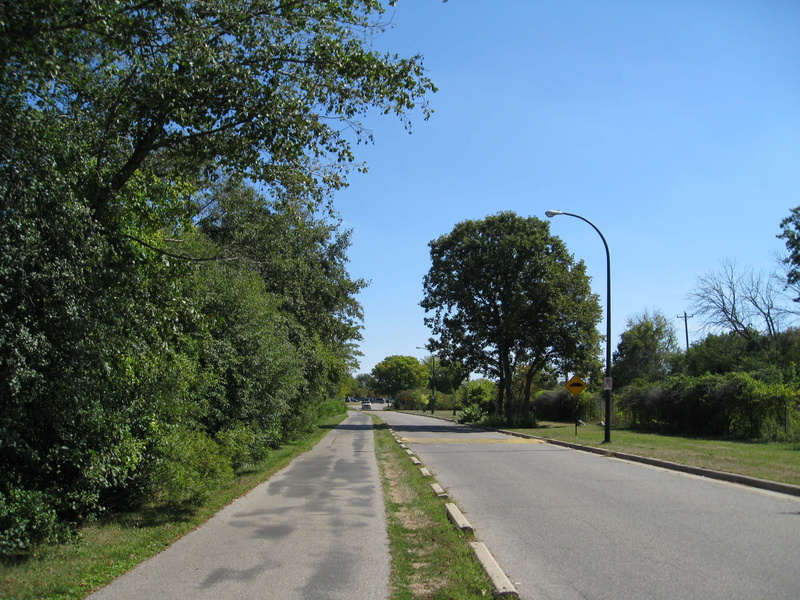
(163,323)
(128,378)
(561,405)
(733,404)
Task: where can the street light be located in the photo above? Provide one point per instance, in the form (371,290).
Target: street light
(607,384)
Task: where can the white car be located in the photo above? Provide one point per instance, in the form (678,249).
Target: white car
(366,405)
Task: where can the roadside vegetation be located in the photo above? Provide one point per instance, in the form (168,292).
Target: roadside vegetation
(174,293)
(431,559)
(117,542)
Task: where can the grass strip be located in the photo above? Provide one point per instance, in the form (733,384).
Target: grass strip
(118,542)
(431,559)
(774,461)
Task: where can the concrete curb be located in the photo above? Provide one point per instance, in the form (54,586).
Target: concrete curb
(501,585)
(457,518)
(500,582)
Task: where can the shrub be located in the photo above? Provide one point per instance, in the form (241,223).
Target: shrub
(332,407)
(190,467)
(471,414)
(410,400)
(560,405)
(243,446)
(734,404)
(27,519)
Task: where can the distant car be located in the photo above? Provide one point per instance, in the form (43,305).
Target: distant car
(366,405)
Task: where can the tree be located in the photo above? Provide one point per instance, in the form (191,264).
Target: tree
(256,87)
(741,301)
(790,232)
(302,261)
(115,116)
(503,293)
(396,373)
(443,376)
(646,349)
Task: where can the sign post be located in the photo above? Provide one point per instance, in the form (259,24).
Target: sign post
(576,385)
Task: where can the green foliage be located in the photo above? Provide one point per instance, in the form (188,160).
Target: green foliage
(734,405)
(411,399)
(646,350)
(160,321)
(790,232)
(189,466)
(561,405)
(27,519)
(481,393)
(503,293)
(396,373)
(472,413)
(769,359)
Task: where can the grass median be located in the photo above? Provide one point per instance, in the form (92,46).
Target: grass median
(431,559)
(774,461)
(117,543)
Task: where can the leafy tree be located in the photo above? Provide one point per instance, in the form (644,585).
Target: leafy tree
(114,115)
(444,376)
(790,232)
(257,87)
(503,293)
(646,349)
(302,262)
(481,393)
(365,380)
(396,373)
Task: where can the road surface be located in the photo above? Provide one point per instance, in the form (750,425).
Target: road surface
(570,525)
(315,531)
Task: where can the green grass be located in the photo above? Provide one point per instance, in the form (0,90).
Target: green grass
(431,559)
(118,543)
(774,461)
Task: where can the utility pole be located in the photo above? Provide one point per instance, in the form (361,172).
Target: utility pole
(685,318)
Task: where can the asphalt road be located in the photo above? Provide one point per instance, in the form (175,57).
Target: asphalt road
(315,531)
(569,525)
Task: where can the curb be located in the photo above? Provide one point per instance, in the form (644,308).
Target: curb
(501,584)
(457,518)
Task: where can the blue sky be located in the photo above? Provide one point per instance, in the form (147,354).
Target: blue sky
(674,126)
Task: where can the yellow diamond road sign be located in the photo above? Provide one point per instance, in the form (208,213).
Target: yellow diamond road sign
(576,385)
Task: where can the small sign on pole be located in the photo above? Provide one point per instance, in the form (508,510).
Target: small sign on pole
(608,384)
(575,385)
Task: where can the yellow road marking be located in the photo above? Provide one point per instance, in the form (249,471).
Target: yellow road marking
(471,440)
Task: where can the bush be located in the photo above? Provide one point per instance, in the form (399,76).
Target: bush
(332,407)
(560,405)
(27,519)
(191,466)
(411,400)
(243,446)
(734,405)
(471,414)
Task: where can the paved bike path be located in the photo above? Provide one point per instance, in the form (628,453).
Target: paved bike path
(315,531)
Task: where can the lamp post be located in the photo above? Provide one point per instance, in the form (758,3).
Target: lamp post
(607,383)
